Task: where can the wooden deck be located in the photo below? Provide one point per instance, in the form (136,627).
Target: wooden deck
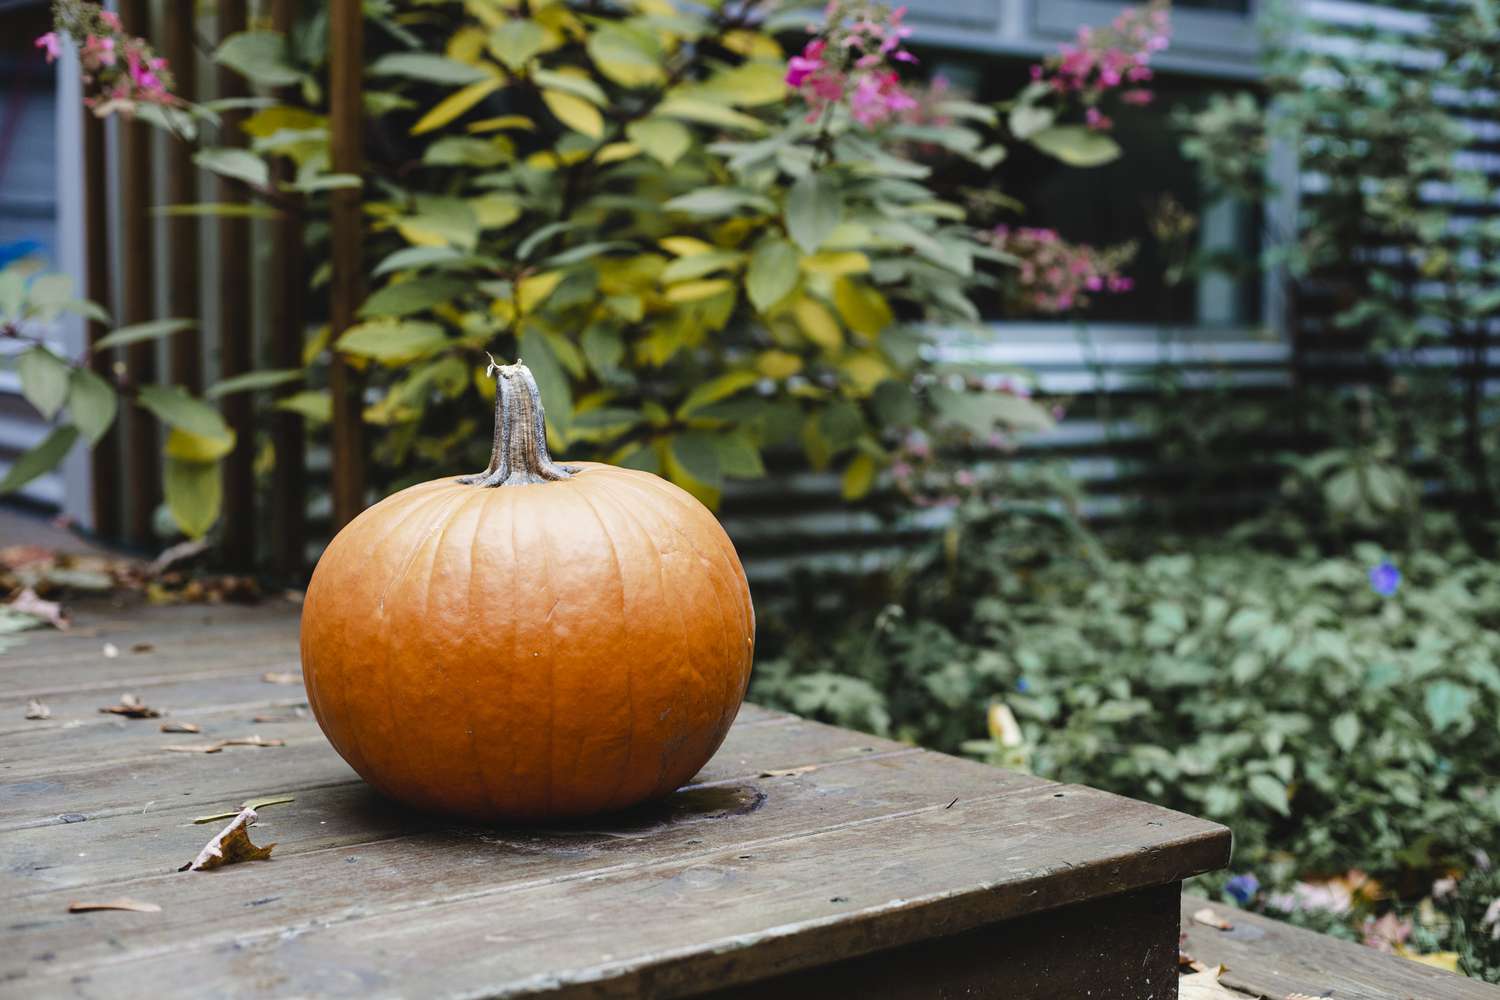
(804,860)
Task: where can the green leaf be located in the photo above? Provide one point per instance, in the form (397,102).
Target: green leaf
(142,331)
(774,270)
(315,405)
(261,57)
(190,447)
(44,380)
(92,403)
(219,210)
(630,58)
(604,348)
(894,404)
(575,112)
(1345,731)
(173,406)
(1270,791)
(194,493)
(393,342)
(739,457)
(1026,120)
(516,42)
(708,113)
(239,164)
(466,151)
(979,412)
(1076,145)
(661,138)
(716,389)
(698,453)
(699,265)
(407,297)
(413,257)
(39,460)
(428,68)
(813,210)
(719,201)
(578,86)
(251,381)
(12,293)
(50,295)
(1449,704)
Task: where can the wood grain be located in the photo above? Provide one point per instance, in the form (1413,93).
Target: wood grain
(1272,959)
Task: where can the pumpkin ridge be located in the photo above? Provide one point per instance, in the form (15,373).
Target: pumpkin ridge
(614,556)
(391,701)
(730,648)
(354,731)
(469,702)
(685,645)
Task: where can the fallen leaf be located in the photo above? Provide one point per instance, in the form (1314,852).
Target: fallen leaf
(132,707)
(115,904)
(281,678)
(181,552)
(16,556)
(180,727)
(1446,960)
(1186,961)
(230,846)
(788,772)
(143,647)
(111,651)
(27,602)
(252,804)
(239,741)
(1208,918)
(36,710)
(1205,985)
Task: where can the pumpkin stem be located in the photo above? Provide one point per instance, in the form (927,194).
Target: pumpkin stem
(520,455)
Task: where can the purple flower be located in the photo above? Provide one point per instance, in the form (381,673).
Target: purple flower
(1243,888)
(1385,579)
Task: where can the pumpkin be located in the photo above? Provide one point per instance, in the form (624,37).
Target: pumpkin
(534,643)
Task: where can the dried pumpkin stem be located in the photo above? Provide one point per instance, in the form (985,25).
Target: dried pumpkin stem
(520,455)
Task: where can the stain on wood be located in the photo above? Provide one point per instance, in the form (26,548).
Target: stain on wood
(803,860)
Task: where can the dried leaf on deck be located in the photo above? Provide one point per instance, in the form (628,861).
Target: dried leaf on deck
(238,741)
(281,678)
(132,707)
(1208,918)
(788,772)
(252,804)
(231,846)
(135,906)
(36,710)
(181,727)
(195,748)
(27,602)
(143,647)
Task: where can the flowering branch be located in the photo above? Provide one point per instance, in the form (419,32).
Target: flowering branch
(120,71)
(853,58)
(1103,59)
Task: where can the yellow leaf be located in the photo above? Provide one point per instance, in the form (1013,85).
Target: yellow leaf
(684,246)
(863,309)
(190,447)
(752,83)
(865,370)
(1447,960)
(519,122)
(859,476)
(456,104)
(487,14)
(693,291)
(269,121)
(574,112)
(495,211)
(616,151)
(467,45)
(419,236)
(753,45)
(532,291)
(836,264)
(818,323)
(778,364)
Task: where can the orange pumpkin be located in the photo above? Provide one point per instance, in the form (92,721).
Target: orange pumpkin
(532,643)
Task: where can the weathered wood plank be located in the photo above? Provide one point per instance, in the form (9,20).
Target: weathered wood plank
(694,916)
(38,798)
(1269,958)
(1120,948)
(243,693)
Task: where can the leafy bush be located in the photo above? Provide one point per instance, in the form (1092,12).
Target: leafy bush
(1329,726)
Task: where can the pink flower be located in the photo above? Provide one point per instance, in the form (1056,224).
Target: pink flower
(1096,120)
(799,68)
(111,20)
(964,477)
(98,51)
(1139,97)
(50,44)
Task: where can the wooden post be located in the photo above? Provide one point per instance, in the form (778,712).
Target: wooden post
(288,326)
(104,460)
(346,69)
(185,352)
(142,461)
(234,321)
